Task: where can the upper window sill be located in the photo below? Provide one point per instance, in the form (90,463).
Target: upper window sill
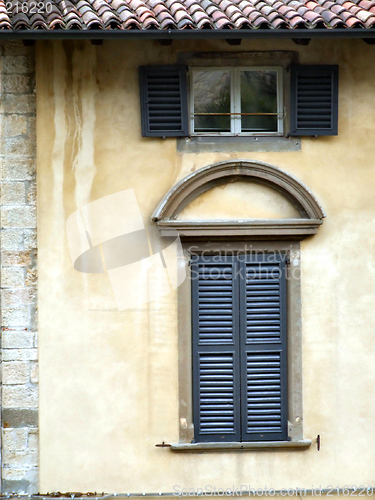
(254,446)
(213,144)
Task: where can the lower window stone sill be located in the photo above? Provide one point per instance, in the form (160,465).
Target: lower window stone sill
(303,444)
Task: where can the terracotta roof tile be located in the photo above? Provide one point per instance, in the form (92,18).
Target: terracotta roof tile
(278,22)
(364,15)
(329,16)
(354,10)
(191,14)
(312,17)
(366,4)
(352,21)
(337,9)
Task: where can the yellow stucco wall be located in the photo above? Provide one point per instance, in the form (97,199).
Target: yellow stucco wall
(108,379)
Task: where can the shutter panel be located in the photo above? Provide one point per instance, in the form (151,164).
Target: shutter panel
(216,373)
(314,100)
(263,349)
(164,107)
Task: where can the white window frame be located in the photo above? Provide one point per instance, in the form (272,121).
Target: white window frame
(235,90)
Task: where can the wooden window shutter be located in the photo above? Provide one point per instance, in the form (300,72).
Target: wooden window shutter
(314,100)
(164,108)
(216,371)
(263,348)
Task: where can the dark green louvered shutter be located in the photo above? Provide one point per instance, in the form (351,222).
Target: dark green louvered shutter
(164,108)
(216,383)
(263,348)
(314,100)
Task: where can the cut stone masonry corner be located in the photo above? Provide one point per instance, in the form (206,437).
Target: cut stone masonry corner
(19,340)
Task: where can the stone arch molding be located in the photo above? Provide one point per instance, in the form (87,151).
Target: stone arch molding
(204,179)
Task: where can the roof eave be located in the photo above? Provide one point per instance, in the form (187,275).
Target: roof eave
(174,34)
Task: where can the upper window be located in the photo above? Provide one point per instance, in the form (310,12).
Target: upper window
(236,101)
(239,100)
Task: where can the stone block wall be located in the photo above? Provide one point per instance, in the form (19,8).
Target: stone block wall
(19,340)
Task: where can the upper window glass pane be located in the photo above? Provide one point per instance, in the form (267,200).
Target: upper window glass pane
(236,101)
(212,103)
(258,95)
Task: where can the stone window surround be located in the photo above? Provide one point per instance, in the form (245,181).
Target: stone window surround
(292,250)
(276,143)
(311,214)
(230,236)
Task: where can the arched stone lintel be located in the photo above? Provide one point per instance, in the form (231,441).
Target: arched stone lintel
(217,174)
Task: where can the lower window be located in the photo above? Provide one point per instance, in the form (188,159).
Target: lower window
(239,315)
(239,351)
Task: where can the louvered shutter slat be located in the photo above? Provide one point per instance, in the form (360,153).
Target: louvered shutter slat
(164,109)
(215,350)
(314,100)
(263,349)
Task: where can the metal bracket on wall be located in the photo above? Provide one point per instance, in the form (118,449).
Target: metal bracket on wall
(163,445)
